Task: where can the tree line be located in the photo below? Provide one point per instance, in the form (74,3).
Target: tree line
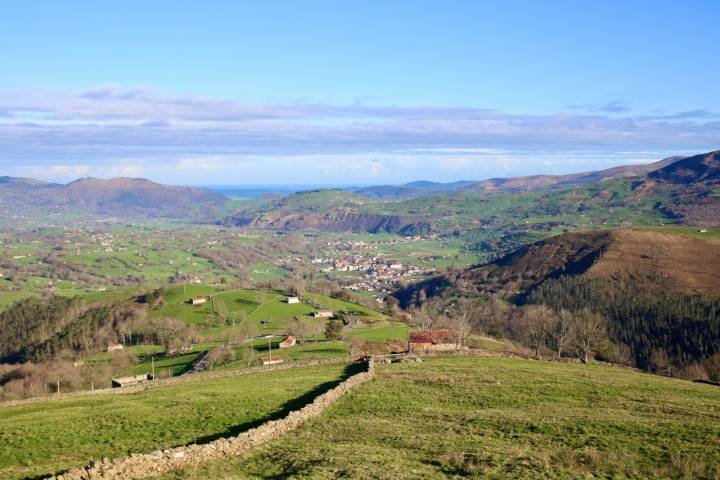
(664,332)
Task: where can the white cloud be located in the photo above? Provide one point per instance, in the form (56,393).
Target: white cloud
(65,170)
(110,129)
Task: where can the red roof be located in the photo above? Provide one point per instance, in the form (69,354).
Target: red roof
(433,336)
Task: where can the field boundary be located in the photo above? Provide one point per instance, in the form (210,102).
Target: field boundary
(159,462)
(210,375)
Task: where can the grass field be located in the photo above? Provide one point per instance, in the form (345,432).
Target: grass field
(337,305)
(459,417)
(711,234)
(46,437)
(257,307)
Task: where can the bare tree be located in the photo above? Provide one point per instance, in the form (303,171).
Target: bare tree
(463,317)
(535,322)
(492,315)
(562,331)
(424,317)
(589,331)
(315,328)
(299,329)
(221,309)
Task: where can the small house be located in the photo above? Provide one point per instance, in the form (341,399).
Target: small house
(323,314)
(120,382)
(291,300)
(289,342)
(114,347)
(271,360)
(198,300)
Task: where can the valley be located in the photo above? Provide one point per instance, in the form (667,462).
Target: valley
(584,281)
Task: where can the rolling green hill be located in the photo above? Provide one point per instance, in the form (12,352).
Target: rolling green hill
(42,438)
(460,417)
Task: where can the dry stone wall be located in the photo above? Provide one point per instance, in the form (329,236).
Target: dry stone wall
(159,462)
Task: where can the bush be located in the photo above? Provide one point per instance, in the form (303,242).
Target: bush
(219,356)
(333,329)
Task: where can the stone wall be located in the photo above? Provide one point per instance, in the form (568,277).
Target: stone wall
(421,348)
(159,462)
(209,375)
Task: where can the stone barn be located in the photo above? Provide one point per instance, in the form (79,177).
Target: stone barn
(271,360)
(198,300)
(120,382)
(437,340)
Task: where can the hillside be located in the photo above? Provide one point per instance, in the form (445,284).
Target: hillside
(419,188)
(535,182)
(512,184)
(504,213)
(123,197)
(677,263)
(656,295)
(699,168)
(330,210)
(499,418)
(89,427)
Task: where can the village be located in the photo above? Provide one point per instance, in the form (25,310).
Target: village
(365,266)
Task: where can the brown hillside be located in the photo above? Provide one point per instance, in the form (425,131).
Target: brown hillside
(640,258)
(677,262)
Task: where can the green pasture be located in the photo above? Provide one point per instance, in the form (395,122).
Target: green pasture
(470,417)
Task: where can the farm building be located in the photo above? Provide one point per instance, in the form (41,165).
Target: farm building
(323,314)
(432,340)
(120,382)
(271,360)
(288,342)
(114,347)
(293,300)
(198,300)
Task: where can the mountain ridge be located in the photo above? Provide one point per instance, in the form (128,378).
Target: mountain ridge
(122,196)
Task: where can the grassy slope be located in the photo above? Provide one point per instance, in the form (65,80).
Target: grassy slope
(711,235)
(499,418)
(376,325)
(258,306)
(46,437)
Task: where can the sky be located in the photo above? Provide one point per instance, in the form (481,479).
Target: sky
(352,93)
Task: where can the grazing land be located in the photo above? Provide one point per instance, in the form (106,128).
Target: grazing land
(42,438)
(499,418)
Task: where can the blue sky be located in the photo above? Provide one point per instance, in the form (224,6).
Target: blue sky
(365,93)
